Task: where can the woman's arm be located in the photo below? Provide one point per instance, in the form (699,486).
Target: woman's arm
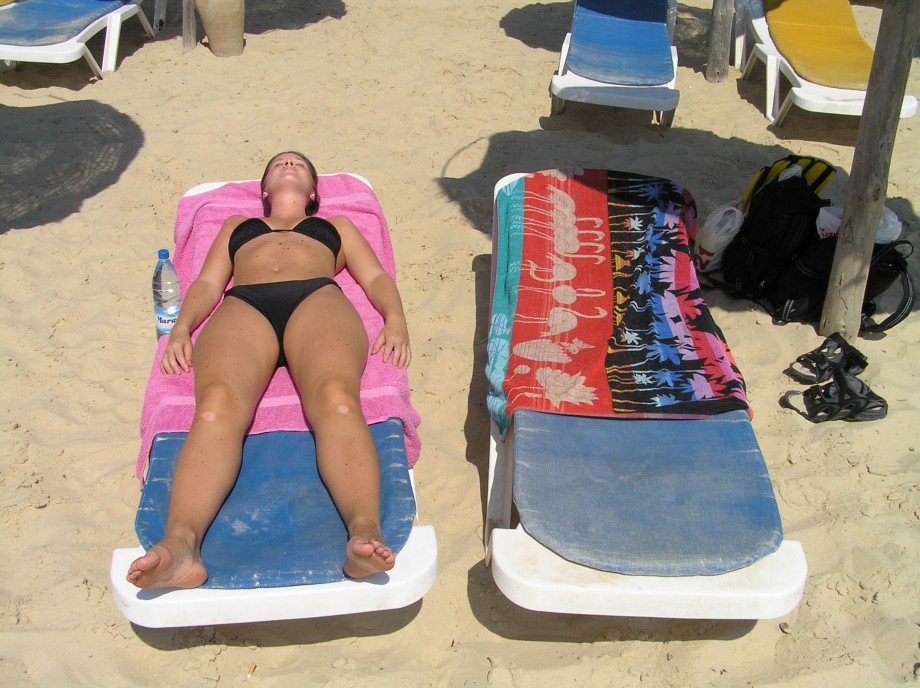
(363,264)
(200,299)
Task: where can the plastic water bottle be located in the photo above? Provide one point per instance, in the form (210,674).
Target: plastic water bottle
(167,296)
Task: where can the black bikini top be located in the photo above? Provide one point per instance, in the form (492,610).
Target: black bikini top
(314,227)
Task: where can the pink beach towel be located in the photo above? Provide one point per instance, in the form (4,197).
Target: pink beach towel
(169,401)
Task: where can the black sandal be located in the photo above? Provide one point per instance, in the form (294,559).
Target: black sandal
(817,366)
(844,398)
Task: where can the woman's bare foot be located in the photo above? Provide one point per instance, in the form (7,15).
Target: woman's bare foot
(364,557)
(167,564)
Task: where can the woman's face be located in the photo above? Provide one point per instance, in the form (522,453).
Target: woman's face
(286,169)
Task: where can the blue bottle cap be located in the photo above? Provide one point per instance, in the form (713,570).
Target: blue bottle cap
(163,254)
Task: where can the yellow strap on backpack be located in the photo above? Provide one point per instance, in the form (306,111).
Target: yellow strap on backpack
(817,173)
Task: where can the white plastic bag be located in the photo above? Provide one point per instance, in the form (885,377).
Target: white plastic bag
(717,232)
(830,217)
(889,227)
(792,170)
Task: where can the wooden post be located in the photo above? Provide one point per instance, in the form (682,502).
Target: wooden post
(189,25)
(868,185)
(720,36)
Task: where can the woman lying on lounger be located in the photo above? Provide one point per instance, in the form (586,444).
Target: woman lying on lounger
(284,309)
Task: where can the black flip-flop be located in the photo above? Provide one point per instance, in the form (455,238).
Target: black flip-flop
(844,398)
(817,365)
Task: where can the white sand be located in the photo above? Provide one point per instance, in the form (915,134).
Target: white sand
(433,102)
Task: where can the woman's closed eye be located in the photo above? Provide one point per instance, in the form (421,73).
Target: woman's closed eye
(297,163)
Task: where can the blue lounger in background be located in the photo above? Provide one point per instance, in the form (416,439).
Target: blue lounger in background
(56,31)
(619,53)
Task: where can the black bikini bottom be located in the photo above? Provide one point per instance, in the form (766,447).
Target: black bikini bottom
(277,301)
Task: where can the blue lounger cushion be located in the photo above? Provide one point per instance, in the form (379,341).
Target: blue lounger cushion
(645,497)
(279,526)
(48,22)
(622,42)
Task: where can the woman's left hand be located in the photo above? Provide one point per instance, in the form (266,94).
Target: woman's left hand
(393,340)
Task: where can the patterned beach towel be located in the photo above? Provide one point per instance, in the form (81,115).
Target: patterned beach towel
(596,307)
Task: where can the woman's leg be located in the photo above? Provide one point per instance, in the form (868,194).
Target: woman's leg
(233,361)
(326,349)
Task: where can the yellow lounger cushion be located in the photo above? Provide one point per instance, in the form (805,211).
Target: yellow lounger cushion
(821,41)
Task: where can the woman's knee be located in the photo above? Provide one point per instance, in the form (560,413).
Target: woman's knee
(333,396)
(219,402)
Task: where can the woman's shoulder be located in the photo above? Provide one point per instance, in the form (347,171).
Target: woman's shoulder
(235,220)
(340,222)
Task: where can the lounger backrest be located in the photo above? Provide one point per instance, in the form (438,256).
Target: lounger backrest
(821,41)
(622,42)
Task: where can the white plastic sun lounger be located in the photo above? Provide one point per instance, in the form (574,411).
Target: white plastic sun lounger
(668,516)
(56,31)
(754,43)
(275,549)
(619,53)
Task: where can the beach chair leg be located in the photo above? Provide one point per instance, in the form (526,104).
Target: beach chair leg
(110,48)
(499,496)
(142,18)
(740,42)
(557,105)
(772,101)
(91,61)
(748,67)
(783,110)
(665,118)
(113,36)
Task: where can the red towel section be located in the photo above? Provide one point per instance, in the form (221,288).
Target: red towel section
(565,300)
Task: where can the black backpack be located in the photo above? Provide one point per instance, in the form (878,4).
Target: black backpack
(781,221)
(800,291)
(778,260)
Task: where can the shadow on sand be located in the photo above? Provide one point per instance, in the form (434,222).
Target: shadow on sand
(281,633)
(56,156)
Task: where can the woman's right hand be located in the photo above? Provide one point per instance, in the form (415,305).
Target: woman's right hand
(177,357)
